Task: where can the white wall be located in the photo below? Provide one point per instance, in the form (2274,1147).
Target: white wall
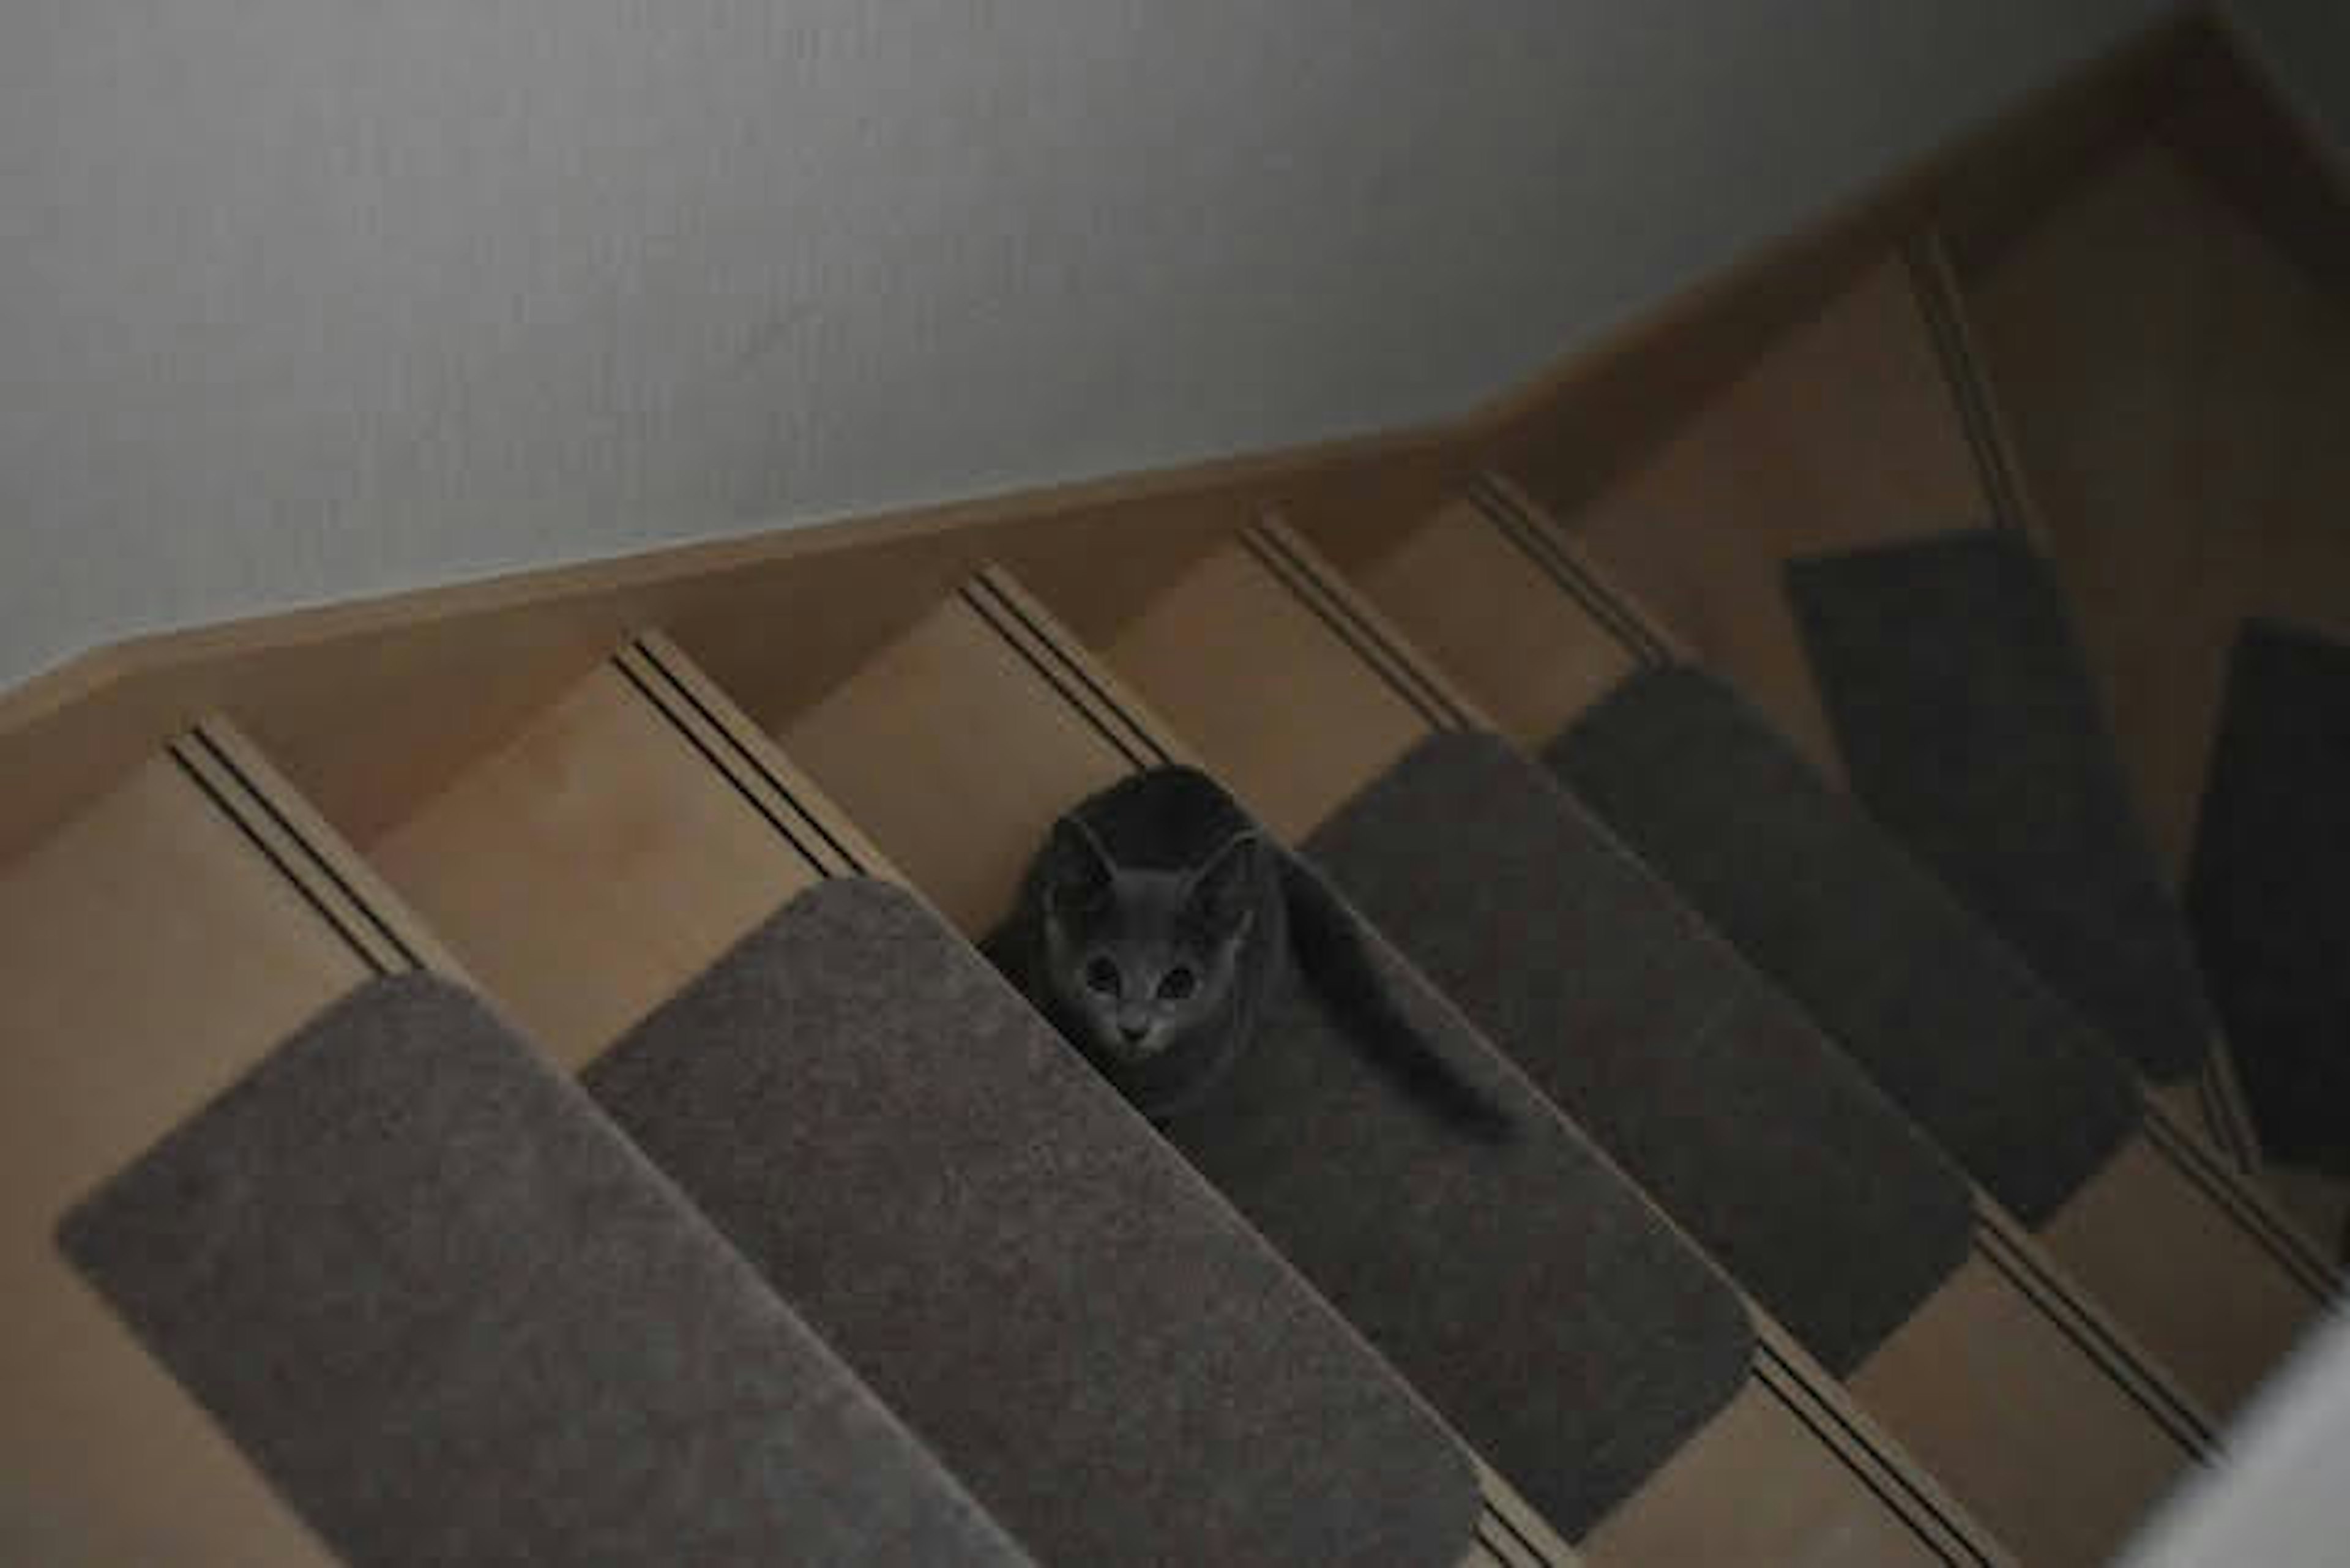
(303,299)
(2274,1496)
(2306,45)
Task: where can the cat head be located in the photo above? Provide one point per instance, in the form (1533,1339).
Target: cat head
(1138,958)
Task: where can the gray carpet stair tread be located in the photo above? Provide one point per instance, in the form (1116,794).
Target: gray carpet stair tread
(1940,1012)
(2268,893)
(1970,726)
(455,1318)
(1531,1292)
(1710,1088)
(1114,1363)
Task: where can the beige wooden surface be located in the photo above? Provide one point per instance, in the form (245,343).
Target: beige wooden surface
(951,751)
(2192,1282)
(705,715)
(2211,1304)
(372,705)
(1755,1488)
(590,868)
(1577,424)
(1313,729)
(2220,1111)
(2209,1105)
(1462,591)
(1522,1538)
(2178,391)
(1843,435)
(886,749)
(152,955)
(1998,1401)
(2318,1202)
(1991,1396)
(337,880)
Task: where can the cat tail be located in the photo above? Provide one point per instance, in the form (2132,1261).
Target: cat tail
(1337,960)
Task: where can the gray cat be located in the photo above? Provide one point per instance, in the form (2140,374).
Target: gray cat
(1155,928)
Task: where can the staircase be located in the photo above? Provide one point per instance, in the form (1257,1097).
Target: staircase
(509,1072)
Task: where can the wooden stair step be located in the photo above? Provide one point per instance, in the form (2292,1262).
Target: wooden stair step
(1472,565)
(157,945)
(444,1304)
(161,946)
(2058,1444)
(897,744)
(614,847)
(640,841)
(2263,899)
(1872,424)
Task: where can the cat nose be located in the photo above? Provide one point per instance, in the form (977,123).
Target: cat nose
(1134,1031)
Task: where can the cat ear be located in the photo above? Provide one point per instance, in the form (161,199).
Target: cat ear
(1224,894)
(1077,871)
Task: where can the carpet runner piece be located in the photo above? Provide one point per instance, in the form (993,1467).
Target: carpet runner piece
(1968,726)
(2267,891)
(1713,1090)
(455,1317)
(1944,1016)
(1535,1294)
(1117,1366)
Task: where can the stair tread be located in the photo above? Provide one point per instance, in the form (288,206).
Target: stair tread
(592,865)
(1970,727)
(153,954)
(987,1232)
(441,1302)
(1830,1475)
(1430,876)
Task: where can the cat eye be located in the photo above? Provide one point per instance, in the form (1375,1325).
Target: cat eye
(1178,984)
(1101,976)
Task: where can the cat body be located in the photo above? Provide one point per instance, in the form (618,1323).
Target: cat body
(1157,927)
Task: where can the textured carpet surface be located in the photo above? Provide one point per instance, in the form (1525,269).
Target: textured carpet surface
(457,1319)
(1939,1011)
(1120,1369)
(2270,891)
(1969,725)
(1527,1287)
(1713,1090)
